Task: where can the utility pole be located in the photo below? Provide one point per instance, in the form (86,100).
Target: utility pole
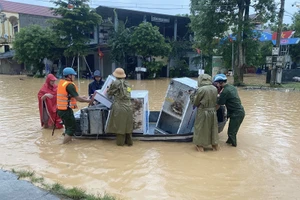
(278,38)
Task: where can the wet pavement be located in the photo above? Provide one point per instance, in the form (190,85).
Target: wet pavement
(13,189)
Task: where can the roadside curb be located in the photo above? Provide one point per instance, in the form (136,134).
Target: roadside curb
(271,89)
(11,187)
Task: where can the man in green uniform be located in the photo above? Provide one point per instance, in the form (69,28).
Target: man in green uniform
(66,101)
(235,111)
(206,123)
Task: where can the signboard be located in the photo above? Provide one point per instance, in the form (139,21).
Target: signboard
(159,19)
(275,51)
(268,59)
(287,41)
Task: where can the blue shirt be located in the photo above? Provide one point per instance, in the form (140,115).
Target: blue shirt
(93,86)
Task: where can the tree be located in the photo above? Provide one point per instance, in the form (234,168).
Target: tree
(295,49)
(147,41)
(212,20)
(119,43)
(32,44)
(74,24)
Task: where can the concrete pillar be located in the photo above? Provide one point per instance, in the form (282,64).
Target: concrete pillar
(113,67)
(175,29)
(116,22)
(101,66)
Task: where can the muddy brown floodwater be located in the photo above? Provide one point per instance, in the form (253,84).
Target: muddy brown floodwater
(265,165)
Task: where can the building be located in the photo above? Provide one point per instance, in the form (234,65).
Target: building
(172,27)
(15,16)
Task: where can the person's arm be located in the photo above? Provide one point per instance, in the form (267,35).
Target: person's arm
(112,89)
(72,91)
(82,99)
(90,89)
(47,95)
(197,97)
(221,99)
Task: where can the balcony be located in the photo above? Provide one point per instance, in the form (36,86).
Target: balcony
(6,39)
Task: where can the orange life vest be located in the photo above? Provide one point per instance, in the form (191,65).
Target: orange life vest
(64,100)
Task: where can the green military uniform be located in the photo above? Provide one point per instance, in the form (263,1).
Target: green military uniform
(206,123)
(121,115)
(235,111)
(67,116)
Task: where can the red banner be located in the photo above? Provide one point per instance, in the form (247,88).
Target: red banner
(284,34)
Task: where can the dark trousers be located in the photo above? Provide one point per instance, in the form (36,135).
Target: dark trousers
(233,128)
(68,119)
(124,139)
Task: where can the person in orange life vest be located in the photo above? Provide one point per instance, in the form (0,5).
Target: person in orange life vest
(67,96)
(47,103)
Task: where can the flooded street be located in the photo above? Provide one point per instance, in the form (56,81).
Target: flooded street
(265,165)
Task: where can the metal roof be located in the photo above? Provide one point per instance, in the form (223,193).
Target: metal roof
(8,54)
(14,7)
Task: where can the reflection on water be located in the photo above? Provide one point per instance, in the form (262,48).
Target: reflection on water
(265,165)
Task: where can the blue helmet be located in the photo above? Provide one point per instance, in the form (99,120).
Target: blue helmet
(69,71)
(97,73)
(220,77)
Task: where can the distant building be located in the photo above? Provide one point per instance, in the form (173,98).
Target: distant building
(15,16)
(172,27)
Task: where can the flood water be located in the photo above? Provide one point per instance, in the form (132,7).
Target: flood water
(265,165)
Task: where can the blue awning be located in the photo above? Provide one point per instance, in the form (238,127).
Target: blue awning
(287,41)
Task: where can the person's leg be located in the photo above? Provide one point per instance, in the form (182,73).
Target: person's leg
(120,139)
(234,125)
(70,125)
(199,148)
(128,139)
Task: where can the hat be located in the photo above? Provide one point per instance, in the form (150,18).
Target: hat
(97,73)
(69,71)
(119,73)
(220,77)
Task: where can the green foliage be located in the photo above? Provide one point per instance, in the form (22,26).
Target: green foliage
(120,44)
(73,26)
(179,48)
(154,68)
(58,189)
(295,49)
(32,44)
(179,69)
(212,19)
(147,41)
(23,173)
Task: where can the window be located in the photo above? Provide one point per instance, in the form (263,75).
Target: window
(15,29)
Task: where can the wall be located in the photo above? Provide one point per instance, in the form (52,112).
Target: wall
(192,65)
(27,20)
(10,67)
(288,74)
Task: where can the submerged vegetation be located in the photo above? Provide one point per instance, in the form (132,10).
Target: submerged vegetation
(58,189)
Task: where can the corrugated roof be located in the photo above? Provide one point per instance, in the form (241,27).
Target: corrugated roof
(8,54)
(14,7)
